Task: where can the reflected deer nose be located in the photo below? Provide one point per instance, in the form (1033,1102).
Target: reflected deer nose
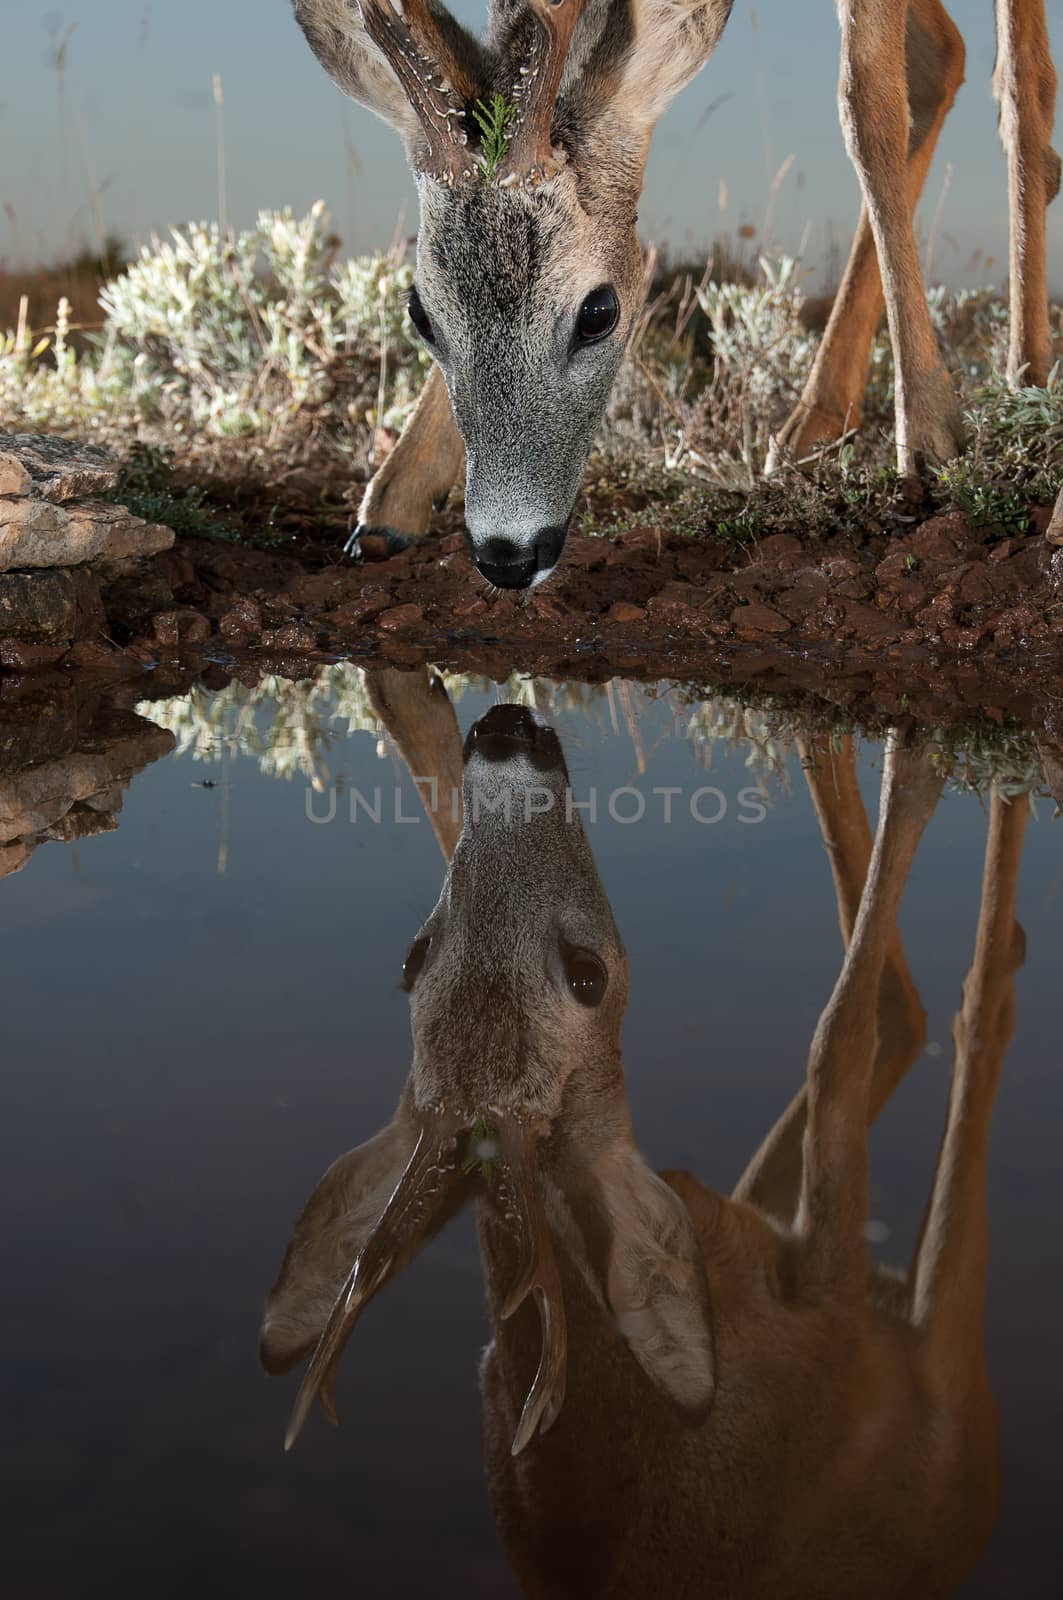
(509,565)
(507,731)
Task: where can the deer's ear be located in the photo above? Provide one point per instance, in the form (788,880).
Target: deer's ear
(672,43)
(332,1228)
(653,1278)
(335,33)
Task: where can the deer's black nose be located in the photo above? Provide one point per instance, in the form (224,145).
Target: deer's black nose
(509,565)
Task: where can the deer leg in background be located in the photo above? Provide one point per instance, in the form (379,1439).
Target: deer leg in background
(834,1195)
(772,1181)
(421,470)
(873,100)
(416,710)
(833,395)
(949,1271)
(1024,83)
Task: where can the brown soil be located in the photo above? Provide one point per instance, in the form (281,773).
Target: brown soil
(931,617)
(955,617)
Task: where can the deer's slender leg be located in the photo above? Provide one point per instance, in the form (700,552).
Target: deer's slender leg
(873,98)
(949,1271)
(832,400)
(1024,83)
(772,1181)
(416,710)
(421,469)
(834,1195)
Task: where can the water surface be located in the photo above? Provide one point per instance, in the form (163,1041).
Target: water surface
(201,1009)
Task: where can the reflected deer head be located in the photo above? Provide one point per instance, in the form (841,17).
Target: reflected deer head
(708,1442)
(528,151)
(518,985)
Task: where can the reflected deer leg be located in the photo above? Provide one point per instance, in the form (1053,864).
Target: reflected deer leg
(949,1271)
(420,471)
(832,1214)
(416,710)
(772,1181)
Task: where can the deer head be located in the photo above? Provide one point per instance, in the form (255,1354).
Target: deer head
(518,984)
(528,153)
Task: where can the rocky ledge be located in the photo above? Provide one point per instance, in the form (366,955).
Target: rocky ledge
(59,539)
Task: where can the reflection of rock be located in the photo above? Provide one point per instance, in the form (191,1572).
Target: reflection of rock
(64,762)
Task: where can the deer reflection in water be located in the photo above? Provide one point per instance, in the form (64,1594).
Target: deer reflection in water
(685,1393)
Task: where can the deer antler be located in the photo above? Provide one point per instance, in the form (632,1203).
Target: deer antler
(419,1197)
(539,1274)
(531,157)
(435,83)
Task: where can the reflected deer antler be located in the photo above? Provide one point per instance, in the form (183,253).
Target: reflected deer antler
(418,1201)
(539,1275)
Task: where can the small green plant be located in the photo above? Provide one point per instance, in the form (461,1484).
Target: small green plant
(495,122)
(911,563)
(481,1152)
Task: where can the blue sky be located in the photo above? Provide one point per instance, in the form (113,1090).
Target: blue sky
(137,123)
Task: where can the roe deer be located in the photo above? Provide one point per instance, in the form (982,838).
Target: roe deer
(529,269)
(712,1396)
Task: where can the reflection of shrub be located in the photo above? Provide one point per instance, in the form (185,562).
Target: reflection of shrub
(232,334)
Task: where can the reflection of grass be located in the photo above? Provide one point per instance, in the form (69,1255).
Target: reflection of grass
(292,729)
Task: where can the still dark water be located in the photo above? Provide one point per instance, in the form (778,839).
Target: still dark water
(201,1009)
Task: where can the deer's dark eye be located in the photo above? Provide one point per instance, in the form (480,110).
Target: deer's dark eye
(411,967)
(419,316)
(585,976)
(597,315)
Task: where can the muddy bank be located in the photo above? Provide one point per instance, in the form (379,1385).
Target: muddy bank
(935,618)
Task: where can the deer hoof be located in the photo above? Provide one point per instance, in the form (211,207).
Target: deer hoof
(376,544)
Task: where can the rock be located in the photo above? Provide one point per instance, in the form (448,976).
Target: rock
(36,533)
(470,608)
(759,619)
(181,627)
(56,469)
(14,479)
(92,656)
(16,656)
(373,546)
(939,538)
(397,618)
(244,617)
(963,638)
(294,637)
(625,611)
(871,625)
(778,545)
(976,584)
(38,606)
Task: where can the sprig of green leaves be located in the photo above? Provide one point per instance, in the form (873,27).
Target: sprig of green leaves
(495,122)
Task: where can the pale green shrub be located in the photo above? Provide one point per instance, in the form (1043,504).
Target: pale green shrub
(233,334)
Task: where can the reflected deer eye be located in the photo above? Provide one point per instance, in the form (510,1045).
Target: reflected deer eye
(411,967)
(586,978)
(598,314)
(418,315)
